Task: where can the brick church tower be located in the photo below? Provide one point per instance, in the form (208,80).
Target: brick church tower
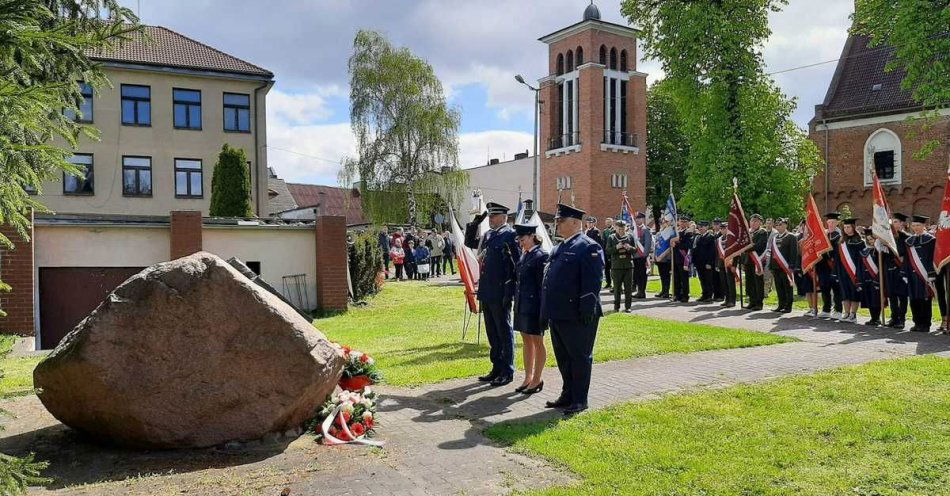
(593,119)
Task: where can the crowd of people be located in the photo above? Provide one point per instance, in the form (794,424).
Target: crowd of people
(416,254)
(845,279)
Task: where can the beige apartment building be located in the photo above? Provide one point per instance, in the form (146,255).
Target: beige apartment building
(173,103)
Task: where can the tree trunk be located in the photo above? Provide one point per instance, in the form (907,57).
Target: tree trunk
(411,198)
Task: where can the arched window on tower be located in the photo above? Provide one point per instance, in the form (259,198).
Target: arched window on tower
(882,155)
(560,64)
(570,60)
(603,55)
(579,55)
(613,58)
(623,61)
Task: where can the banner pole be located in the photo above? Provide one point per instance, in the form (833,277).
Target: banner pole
(946,295)
(880,275)
(741,283)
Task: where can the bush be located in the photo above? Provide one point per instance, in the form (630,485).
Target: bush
(366,261)
(231,184)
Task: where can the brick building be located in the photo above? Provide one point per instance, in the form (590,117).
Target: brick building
(862,127)
(593,118)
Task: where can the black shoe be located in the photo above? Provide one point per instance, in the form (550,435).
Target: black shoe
(627,310)
(521,388)
(777,310)
(536,389)
(754,308)
(502,380)
(919,329)
(574,410)
(488,378)
(640,296)
(786,310)
(558,403)
(897,325)
(873,322)
(684,300)
(661,295)
(704,300)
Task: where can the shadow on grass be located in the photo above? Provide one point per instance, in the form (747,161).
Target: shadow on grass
(75,459)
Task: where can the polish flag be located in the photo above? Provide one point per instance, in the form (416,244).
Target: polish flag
(942,250)
(881,225)
(467,262)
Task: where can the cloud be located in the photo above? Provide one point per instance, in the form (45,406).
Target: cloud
(303,107)
(308,153)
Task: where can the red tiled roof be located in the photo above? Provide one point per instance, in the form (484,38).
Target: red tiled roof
(854,89)
(332,201)
(160,46)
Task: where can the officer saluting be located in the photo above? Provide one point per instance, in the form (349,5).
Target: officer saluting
(570,303)
(496,288)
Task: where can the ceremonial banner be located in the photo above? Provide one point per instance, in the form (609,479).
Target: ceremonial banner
(467,262)
(942,249)
(815,241)
(881,225)
(738,239)
(627,215)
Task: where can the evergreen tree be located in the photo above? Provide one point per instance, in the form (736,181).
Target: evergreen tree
(231,184)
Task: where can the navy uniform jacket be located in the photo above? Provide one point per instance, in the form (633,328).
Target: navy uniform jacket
(571,287)
(682,247)
(530,278)
(497,280)
(924,244)
(827,267)
(895,275)
(704,250)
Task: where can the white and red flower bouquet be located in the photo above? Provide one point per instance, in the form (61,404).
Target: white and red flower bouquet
(347,417)
(359,370)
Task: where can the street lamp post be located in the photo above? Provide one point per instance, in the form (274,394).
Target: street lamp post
(537,160)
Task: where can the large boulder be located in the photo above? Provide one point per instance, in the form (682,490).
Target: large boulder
(188,353)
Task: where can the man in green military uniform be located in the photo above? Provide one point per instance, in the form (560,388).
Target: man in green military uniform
(754,273)
(621,246)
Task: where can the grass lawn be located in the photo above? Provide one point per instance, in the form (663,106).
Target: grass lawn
(17,373)
(771,300)
(876,429)
(414,332)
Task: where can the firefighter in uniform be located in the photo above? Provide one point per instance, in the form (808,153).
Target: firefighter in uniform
(681,246)
(895,277)
(920,273)
(754,272)
(782,264)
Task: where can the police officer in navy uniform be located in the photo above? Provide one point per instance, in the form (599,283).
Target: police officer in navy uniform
(570,304)
(682,246)
(496,287)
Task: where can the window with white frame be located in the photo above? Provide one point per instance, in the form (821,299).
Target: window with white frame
(882,156)
(565,182)
(618,181)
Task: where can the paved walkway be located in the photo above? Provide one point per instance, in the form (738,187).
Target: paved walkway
(434,434)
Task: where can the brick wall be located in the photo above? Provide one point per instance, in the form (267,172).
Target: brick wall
(16,270)
(922,181)
(332,289)
(185,233)
(591,168)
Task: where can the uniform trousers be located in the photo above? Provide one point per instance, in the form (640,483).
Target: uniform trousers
(607,270)
(727,281)
(941,284)
(680,282)
(898,306)
(573,344)
(622,278)
(719,288)
(830,293)
(754,286)
(707,280)
(783,289)
(501,337)
(640,276)
(922,312)
(664,269)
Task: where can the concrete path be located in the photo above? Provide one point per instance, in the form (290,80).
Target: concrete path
(434,433)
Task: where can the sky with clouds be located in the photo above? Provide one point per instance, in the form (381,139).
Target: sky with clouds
(476,48)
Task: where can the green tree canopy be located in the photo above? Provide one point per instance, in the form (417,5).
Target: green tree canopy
(406,134)
(231,184)
(667,147)
(736,121)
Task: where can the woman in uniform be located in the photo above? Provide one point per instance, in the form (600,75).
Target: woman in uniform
(849,271)
(530,274)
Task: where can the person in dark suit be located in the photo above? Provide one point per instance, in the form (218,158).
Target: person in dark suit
(641,261)
(499,255)
(754,273)
(895,277)
(921,273)
(681,246)
(570,304)
(604,236)
(594,233)
(783,263)
(719,288)
(530,273)
(704,258)
(827,270)
(870,280)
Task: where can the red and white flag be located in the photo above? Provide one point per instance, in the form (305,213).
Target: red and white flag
(782,263)
(815,242)
(942,249)
(881,225)
(467,262)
